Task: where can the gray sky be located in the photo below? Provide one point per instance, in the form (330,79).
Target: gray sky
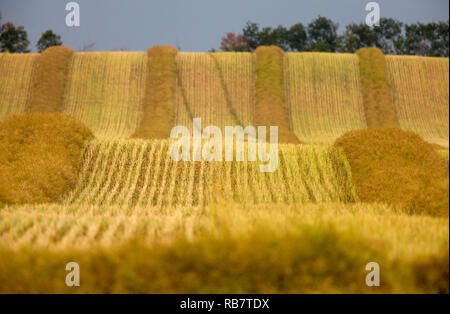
(193,25)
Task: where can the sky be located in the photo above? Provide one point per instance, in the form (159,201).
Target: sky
(193,25)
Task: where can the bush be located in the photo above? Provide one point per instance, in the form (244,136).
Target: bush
(159,101)
(377,92)
(40,156)
(50,80)
(398,168)
(271,108)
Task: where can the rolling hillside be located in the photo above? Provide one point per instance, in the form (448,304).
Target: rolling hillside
(133,211)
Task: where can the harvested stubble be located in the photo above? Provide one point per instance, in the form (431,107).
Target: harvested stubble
(302,243)
(216,87)
(323,91)
(16,74)
(142,173)
(421,95)
(50,80)
(376,88)
(271,108)
(106,91)
(159,101)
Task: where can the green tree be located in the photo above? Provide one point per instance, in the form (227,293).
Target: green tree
(251,33)
(389,35)
(48,39)
(297,37)
(323,34)
(357,36)
(13,39)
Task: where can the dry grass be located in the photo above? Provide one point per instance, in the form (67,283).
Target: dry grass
(323,91)
(142,173)
(377,92)
(160,94)
(51,79)
(421,95)
(216,87)
(106,91)
(16,74)
(293,248)
(271,108)
(40,156)
(397,168)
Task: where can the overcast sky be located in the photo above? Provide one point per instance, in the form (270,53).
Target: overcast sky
(193,25)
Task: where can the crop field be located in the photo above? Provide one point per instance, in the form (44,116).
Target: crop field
(105,91)
(136,173)
(216,87)
(324,95)
(139,222)
(421,95)
(16,73)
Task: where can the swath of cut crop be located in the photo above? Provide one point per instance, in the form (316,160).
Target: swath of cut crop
(216,87)
(421,95)
(140,173)
(377,92)
(106,90)
(50,80)
(324,95)
(16,74)
(159,101)
(271,108)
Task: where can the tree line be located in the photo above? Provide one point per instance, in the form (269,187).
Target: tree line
(14,39)
(321,34)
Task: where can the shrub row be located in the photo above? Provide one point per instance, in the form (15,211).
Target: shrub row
(50,80)
(271,108)
(377,92)
(159,100)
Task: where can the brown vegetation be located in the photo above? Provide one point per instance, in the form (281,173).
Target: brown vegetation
(50,80)
(377,93)
(271,108)
(160,94)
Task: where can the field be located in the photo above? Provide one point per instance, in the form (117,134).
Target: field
(137,221)
(421,99)
(324,95)
(216,87)
(105,92)
(15,82)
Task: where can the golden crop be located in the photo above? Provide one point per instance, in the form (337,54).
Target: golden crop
(141,173)
(323,91)
(216,87)
(421,95)
(16,74)
(106,90)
